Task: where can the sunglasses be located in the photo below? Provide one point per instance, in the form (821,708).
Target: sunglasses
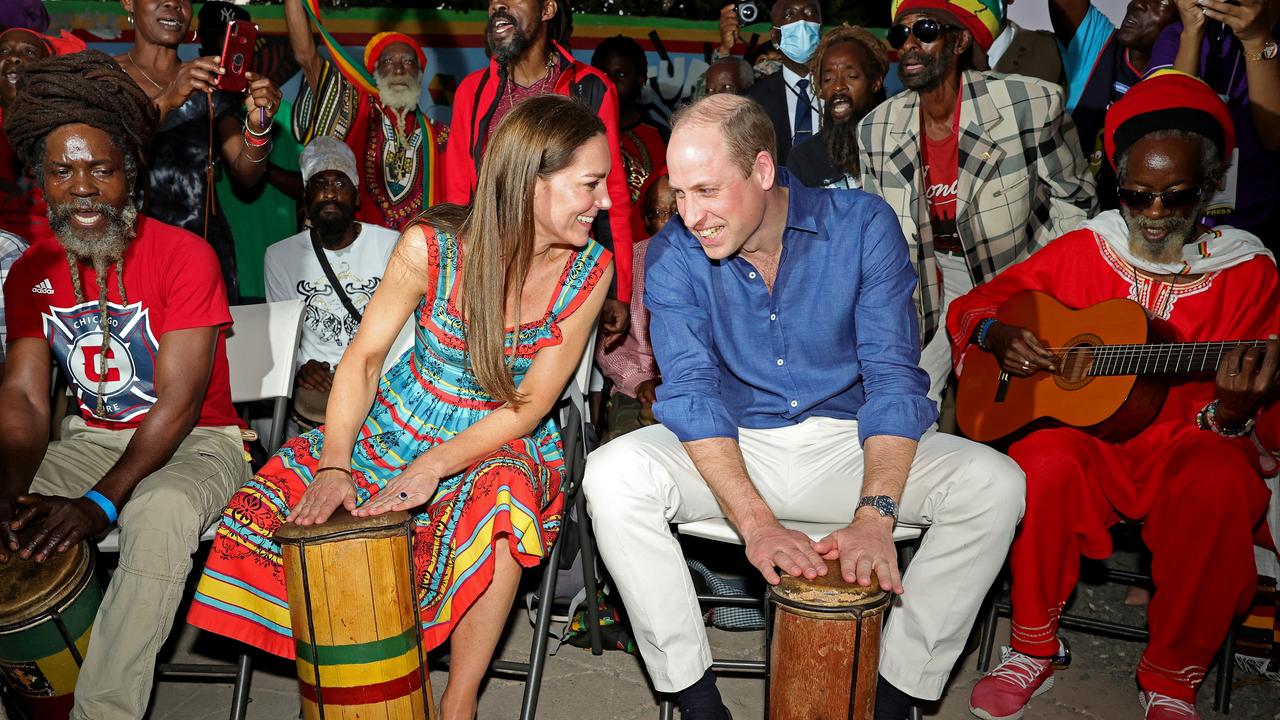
(1169,199)
(926,31)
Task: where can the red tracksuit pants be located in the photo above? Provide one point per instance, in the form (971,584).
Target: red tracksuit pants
(1200,497)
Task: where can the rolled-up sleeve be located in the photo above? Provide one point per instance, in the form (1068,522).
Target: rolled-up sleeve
(688,400)
(888,335)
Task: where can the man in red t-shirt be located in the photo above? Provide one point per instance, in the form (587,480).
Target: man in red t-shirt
(134,313)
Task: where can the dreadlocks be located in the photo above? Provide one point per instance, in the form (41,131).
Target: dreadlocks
(86,88)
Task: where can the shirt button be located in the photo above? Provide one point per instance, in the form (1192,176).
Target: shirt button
(751,275)
(780,362)
(773,316)
(794,403)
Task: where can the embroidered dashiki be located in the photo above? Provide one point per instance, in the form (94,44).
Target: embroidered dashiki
(399,158)
(1199,495)
(429,396)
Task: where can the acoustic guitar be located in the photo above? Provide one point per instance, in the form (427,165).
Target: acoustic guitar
(1108,361)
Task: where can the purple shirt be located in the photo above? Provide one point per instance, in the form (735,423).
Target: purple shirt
(1259,171)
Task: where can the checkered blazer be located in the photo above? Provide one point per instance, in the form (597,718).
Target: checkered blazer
(1022,181)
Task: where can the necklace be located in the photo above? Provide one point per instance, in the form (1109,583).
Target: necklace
(144,72)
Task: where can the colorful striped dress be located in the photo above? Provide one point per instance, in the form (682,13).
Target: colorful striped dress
(426,398)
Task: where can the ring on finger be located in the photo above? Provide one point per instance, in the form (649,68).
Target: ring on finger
(402,495)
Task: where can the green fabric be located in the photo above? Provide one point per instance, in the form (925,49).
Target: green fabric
(264,215)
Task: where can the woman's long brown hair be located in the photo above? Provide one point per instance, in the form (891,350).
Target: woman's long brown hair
(535,140)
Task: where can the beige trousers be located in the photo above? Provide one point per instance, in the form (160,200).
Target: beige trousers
(160,528)
(969,495)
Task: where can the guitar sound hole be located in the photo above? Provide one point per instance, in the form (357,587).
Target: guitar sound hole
(1075,362)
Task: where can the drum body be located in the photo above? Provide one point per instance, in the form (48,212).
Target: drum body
(46,618)
(824,654)
(355,618)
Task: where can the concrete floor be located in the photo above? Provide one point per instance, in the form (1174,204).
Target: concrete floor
(1099,685)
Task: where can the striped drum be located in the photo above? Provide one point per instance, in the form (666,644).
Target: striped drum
(355,619)
(46,616)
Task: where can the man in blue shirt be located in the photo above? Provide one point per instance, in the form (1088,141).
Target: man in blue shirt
(783,322)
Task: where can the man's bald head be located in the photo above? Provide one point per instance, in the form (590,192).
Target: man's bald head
(746,129)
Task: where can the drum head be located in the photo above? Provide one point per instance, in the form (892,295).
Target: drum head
(28,588)
(343,524)
(310,405)
(826,591)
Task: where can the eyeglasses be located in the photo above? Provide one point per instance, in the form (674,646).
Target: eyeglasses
(926,31)
(659,214)
(1169,199)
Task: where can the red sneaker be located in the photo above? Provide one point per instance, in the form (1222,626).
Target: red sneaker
(1162,707)
(1004,693)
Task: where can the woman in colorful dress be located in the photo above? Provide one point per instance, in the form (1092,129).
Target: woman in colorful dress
(457,431)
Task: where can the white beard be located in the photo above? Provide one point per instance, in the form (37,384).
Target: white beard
(402,98)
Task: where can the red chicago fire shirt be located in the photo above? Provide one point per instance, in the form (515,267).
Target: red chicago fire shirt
(172,282)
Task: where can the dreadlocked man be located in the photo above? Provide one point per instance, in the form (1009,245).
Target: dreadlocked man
(134,312)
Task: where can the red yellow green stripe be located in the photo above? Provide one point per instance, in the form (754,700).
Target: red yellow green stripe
(364,694)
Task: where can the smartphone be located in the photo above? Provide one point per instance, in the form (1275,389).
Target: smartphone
(237,54)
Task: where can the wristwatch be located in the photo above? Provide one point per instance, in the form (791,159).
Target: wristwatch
(882,503)
(1268,52)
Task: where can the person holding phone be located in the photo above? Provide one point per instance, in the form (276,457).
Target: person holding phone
(180,189)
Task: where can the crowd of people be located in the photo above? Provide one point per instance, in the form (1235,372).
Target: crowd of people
(783,283)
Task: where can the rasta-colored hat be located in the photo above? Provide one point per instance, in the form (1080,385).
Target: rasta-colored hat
(1168,100)
(380,42)
(982,18)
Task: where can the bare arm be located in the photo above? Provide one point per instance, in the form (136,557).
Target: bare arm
(1188,58)
(303,42)
(24,414)
(1251,22)
(246,164)
(1066,16)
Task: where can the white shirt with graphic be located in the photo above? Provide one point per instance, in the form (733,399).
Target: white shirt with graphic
(292,272)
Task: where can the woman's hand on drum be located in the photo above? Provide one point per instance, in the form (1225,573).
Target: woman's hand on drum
(329,490)
(412,488)
(864,546)
(58,524)
(770,545)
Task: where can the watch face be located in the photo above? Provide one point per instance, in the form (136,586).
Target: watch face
(1270,50)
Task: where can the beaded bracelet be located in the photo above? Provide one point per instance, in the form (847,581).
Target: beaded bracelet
(983,327)
(1207,419)
(108,507)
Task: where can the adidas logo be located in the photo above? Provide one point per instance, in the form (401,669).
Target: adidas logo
(44,288)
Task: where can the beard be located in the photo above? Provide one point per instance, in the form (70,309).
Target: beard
(934,66)
(331,226)
(400,95)
(101,248)
(1181,229)
(514,47)
(842,138)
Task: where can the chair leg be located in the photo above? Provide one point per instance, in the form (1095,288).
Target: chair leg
(666,710)
(989,622)
(240,692)
(1226,668)
(587,548)
(541,631)
(916,713)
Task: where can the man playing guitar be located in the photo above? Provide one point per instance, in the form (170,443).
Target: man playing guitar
(1192,475)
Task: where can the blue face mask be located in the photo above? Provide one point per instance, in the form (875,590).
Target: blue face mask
(799,40)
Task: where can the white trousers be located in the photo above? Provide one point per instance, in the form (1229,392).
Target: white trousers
(969,495)
(935,357)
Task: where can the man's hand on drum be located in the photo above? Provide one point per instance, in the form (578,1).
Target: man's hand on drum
(8,538)
(57,524)
(865,545)
(1019,351)
(329,490)
(410,489)
(770,546)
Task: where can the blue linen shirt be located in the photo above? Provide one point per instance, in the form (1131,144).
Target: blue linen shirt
(838,337)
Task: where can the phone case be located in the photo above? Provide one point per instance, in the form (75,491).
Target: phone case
(237,54)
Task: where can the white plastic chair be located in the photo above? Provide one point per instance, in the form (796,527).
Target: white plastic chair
(721,530)
(260,351)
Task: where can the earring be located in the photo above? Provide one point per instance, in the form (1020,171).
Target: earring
(130,18)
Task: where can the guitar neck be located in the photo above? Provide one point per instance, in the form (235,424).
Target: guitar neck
(1197,357)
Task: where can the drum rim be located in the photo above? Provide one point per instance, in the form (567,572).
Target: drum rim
(32,618)
(384,531)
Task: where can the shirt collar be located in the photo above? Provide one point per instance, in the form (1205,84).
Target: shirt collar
(791,78)
(801,204)
(1001,44)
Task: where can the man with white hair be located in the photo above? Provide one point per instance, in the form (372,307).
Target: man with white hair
(398,146)
(334,266)
(783,321)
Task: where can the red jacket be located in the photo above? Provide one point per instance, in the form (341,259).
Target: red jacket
(473,106)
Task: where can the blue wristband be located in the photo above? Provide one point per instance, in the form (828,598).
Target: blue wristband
(101,501)
(983,327)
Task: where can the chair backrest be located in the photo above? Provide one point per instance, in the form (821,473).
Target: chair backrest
(261,348)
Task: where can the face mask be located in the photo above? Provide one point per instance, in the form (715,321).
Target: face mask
(799,40)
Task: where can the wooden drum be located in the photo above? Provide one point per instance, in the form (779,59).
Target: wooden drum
(825,651)
(355,618)
(46,617)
